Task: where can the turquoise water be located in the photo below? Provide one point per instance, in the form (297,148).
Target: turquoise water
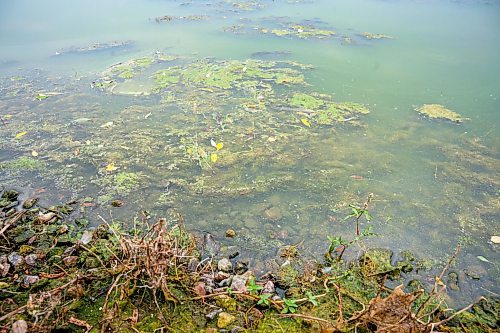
(435,183)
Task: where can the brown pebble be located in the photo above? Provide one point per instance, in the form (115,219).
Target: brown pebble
(230,233)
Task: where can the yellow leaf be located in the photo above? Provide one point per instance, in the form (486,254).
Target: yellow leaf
(20,135)
(189,151)
(214,157)
(7,116)
(305,122)
(111,167)
(219,146)
(34,153)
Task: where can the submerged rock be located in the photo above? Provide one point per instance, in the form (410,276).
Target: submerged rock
(273,213)
(453,281)
(225,265)
(210,246)
(378,262)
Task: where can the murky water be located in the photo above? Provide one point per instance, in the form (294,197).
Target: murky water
(74,127)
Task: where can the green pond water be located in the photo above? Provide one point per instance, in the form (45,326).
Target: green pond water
(252,115)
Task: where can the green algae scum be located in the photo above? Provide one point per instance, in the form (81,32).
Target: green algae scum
(259,166)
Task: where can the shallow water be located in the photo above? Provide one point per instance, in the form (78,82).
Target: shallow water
(435,183)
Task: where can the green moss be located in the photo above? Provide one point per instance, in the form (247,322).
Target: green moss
(23,163)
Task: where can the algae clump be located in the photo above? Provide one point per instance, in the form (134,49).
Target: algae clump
(437,111)
(306,101)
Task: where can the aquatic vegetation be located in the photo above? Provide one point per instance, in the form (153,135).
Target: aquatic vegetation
(169,18)
(437,111)
(306,101)
(23,163)
(299,31)
(369,35)
(96,47)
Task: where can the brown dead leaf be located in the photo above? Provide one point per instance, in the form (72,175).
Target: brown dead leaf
(52,276)
(44,218)
(393,313)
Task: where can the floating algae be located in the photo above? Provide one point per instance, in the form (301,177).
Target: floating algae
(369,35)
(299,31)
(437,111)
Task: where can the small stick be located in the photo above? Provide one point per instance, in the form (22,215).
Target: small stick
(341,316)
(3,121)
(454,315)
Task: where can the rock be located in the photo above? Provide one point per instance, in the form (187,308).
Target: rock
(219,276)
(234,255)
(239,282)
(87,237)
(226,302)
(453,281)
(70,261)
(226,282)
(20,326)
(415,285)
(199,289)
(378,262)
(210,246)
(241,267)
(225,319)
(269,288)
(273,213)
(15,259)
(224,265)
(193,264)
(29,203)
(29,280)
(10,194)
(495,239)
(4,266)
(230,233)
(211,315)
(31,259)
